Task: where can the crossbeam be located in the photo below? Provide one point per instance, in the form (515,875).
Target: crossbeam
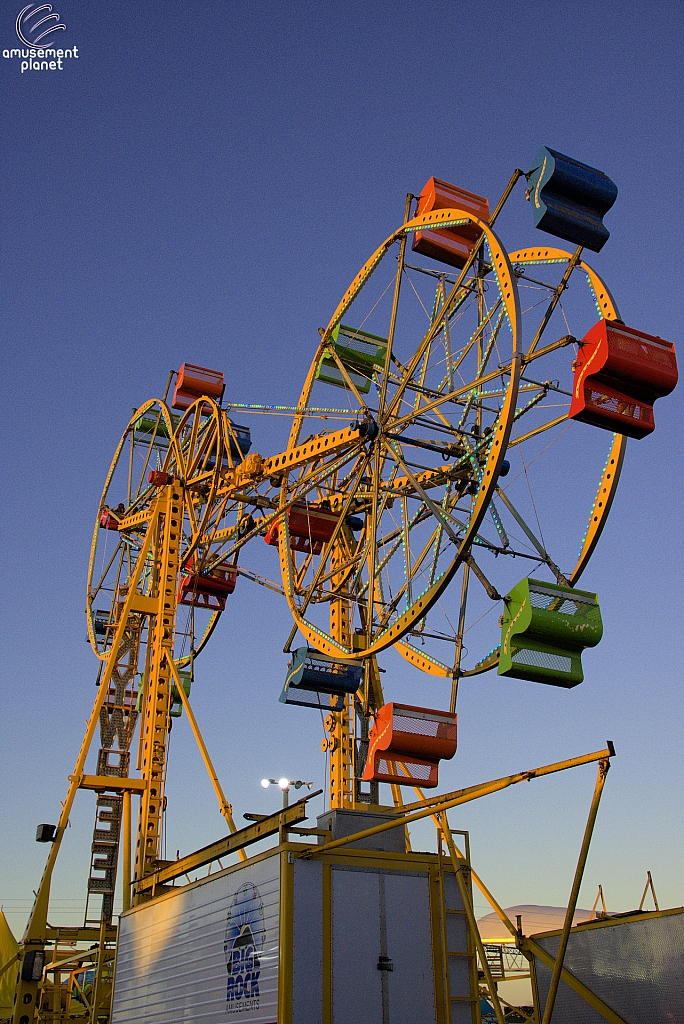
(112,783)
(313,449)
(509,780)
(65,934)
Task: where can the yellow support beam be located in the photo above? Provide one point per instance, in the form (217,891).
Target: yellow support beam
(74,935)
(534,773)
(267,826)
(285,938)
(154,726)
(603,768)
(110,783)
(226,808)
(315,448)
(436,805)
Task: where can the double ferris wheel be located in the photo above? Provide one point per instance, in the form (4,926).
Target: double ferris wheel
(446,475)
(467,389)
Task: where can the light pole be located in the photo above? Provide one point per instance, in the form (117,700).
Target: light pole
(285,784)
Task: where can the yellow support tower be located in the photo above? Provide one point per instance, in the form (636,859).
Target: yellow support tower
(32,947)
(341,741)
(155,723)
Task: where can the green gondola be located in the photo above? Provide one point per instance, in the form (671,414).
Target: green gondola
(359,352)
(544,630)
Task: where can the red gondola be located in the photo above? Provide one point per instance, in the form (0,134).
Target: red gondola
(158,478)
(208,590)
(107,520)
(310,527)
(619,373)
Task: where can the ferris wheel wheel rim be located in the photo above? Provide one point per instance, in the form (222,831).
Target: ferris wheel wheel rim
(165,415)
(607,309)
(509,294)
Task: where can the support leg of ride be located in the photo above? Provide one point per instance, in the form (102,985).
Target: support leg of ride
(226,809)
(603,768)
(154,727)
(28,989)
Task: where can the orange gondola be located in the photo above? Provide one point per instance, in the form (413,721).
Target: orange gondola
(449,245)
(407,743)
(195,382)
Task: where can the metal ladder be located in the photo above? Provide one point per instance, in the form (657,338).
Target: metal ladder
(118,718)
(104,857)
(452,909)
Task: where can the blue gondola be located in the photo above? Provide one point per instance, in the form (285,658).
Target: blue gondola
(311,675)
(101,623)
(570,199)
(243,436)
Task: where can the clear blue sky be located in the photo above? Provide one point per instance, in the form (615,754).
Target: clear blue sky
(202,182)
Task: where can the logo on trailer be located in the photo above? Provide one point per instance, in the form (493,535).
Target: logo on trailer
(243,947)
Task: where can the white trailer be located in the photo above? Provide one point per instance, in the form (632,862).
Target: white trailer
(352,937)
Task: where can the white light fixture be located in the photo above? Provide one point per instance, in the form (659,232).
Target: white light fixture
(285,784)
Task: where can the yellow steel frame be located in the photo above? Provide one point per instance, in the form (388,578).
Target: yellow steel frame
(160,548)
(608,310)
(165,418)
(341,742)
(155,718)
(272,824)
